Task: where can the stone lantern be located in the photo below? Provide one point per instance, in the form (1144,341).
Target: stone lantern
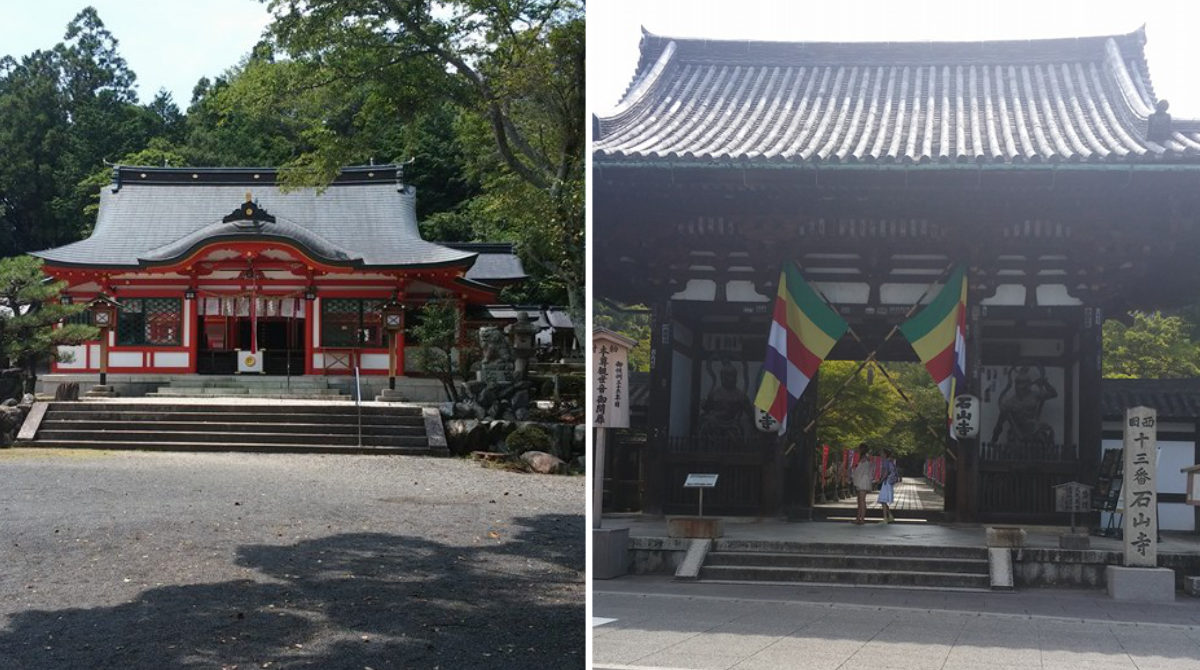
(522,334)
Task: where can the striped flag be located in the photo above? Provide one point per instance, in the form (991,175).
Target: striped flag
(938,334)
(803,331)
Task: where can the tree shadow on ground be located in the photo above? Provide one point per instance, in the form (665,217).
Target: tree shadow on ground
(358,600)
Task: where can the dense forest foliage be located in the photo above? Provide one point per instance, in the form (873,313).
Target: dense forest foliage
(485,97)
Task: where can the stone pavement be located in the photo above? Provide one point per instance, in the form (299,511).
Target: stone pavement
(912,495)
(643,623)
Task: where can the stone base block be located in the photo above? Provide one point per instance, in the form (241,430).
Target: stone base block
(106,391)
(694,560)
(1146,584)
(695,526)
(1010,537)
(1191,585)
(1000,569)
(1076,541)
(390,395)
(610,552)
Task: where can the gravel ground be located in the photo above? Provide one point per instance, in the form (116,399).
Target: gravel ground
(164,560)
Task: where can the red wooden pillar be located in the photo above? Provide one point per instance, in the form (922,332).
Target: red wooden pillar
(398,343)
(192,325)
(310,323)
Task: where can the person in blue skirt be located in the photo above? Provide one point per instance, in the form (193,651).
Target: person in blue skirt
(888,476)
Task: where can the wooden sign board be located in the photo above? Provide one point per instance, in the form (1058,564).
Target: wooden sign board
(610,378)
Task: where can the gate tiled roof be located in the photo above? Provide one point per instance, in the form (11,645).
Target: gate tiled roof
(1087,100)
(1175,399)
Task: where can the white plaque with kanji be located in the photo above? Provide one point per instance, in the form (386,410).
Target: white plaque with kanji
(1141,487)
(610,378)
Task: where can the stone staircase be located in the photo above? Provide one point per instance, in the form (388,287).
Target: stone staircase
(252,386)
(225,425)
(894,565)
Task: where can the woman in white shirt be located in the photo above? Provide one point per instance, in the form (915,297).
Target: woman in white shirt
(861,476)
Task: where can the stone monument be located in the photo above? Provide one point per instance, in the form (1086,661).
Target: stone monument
(1141,578)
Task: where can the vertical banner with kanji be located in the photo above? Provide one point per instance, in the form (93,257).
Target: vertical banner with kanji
(1141,487)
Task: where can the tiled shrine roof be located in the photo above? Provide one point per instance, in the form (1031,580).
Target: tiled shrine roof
(1087,100)
(365,218)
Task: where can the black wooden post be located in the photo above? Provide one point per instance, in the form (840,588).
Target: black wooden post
(1091,419)
(968,492)
(658,416)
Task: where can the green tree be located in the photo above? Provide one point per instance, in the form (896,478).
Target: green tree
(437,334)
(513,68)
(1151,346)
(64,111)
(28,312)
(34,138)
(862,410)
(632,322)
(870,409)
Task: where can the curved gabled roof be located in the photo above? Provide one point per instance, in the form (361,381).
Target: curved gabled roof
(1085,99)
(365,218)
(316,246)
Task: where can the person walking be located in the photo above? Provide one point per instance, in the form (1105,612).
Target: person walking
(862,477)
(887,485)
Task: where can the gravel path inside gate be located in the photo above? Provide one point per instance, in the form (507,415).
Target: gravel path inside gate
(179,560)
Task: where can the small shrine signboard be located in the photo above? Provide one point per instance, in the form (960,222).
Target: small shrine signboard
(1141,487)
(610,378)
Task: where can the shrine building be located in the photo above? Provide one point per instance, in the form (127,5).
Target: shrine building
(223,271)
(1050,170)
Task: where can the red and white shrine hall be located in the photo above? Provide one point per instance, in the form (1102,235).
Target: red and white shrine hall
(220,270)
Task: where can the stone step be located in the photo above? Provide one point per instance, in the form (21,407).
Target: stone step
(242,390)
(895,578)
(849,562)
(216,406)
(344,418)
(225,437)
(413,428)
(266,386)
(235,426)
(268,396)
(840,549)
(422,450)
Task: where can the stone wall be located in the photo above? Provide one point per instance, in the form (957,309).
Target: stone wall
(656,555)
(466,435)
(1085,569)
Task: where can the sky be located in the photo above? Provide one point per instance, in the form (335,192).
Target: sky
(1172,44)
(168,44)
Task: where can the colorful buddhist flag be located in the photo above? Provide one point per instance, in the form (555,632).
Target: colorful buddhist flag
(938,334)
(803,331)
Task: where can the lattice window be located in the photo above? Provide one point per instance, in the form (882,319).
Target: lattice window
(152,321)
(351,322)
(371,330)
(164,321)
(339,322)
